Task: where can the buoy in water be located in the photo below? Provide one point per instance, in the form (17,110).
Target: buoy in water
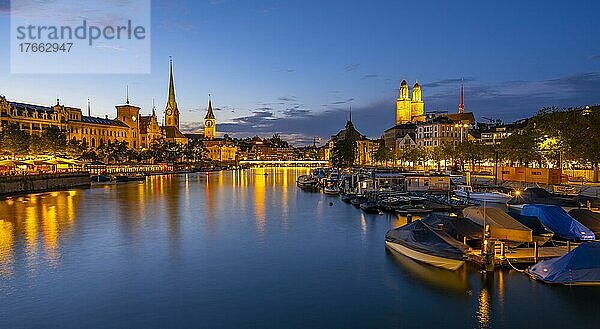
(330,204)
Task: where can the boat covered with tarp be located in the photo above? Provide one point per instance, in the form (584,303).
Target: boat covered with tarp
(428,244)
(581,266)
(459,228)
(502,225)
(590,219)
(537,195)
(558,221)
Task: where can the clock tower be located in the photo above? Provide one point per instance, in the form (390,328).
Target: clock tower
(210,123)
(171,111)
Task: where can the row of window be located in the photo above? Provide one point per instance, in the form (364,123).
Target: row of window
(435,143)
(99,132)
(454,134)
(435,128)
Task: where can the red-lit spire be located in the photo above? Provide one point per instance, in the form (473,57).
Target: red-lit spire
(461,106)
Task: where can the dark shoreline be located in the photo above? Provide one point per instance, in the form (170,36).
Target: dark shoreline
(11,186)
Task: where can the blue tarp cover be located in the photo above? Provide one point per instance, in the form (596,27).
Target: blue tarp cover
(580,266)
(559,222)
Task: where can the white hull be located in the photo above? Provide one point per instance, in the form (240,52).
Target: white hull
(493,197)
(331,192)
(445,263)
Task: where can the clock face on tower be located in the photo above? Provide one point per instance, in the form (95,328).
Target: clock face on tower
(169,112)
(209,123)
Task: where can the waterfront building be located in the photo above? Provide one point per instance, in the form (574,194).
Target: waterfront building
(365,147)
(219,149)
(150,130)
(128,126)
(403,134)
(91,131)
(171,130)
(210,123)
(495,135)
(446,129)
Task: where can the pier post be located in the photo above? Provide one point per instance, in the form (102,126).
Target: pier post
(408,218)
(568,246)
(535,252)
(489,256)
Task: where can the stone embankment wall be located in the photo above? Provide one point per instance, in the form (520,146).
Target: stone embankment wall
(15,185)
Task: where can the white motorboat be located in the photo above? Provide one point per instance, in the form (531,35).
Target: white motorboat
(421,242)
(466,192)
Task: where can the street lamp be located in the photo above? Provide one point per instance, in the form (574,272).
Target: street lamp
(461,126)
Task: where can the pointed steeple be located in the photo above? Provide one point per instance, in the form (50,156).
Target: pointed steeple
(350,113)
(171,103)
(153,108)
(209,113)
(461,105)
(89,108)
(127,94)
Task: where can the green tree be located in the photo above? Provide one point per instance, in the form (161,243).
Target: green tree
(438,154)
(383,154)
(53,141)
(14,141)
(194,151)
(345,150)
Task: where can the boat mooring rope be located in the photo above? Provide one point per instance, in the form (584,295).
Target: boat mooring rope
(514,268)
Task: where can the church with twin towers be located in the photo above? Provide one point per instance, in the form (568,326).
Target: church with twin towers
(409,109)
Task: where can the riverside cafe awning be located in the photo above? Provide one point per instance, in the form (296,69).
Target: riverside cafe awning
(7,166)
(47,164)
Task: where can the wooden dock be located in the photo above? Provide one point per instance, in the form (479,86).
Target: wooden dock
(522,255)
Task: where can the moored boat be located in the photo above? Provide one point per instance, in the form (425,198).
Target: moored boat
(502,226)
(465,191)
(358,200)
(369,207)
(581,266)
(347,198)
(536,195)
(590,219)
(130,178)
(558,221)
(422,242)
(331,188)
(308,182)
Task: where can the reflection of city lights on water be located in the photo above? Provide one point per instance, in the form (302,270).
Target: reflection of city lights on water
(6,253)
(483,313)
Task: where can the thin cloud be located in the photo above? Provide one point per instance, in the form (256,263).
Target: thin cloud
(369,76)
(445,82)
(287,98)
(296,113)
(351,67)
(349,100)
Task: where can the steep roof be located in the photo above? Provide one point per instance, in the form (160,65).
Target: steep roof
(210,114)
(466,116)
(102,121)
(173,133)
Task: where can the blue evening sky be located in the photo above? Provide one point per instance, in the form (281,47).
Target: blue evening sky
(295,67)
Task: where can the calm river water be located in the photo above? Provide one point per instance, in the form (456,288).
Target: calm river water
(242,250)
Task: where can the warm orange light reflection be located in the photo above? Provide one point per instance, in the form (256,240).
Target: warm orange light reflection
(6,252)
(483,313)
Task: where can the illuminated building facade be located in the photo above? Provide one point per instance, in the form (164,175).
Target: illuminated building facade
(409,109)
(128,126)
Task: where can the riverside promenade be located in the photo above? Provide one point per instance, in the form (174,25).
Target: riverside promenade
(24,184)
